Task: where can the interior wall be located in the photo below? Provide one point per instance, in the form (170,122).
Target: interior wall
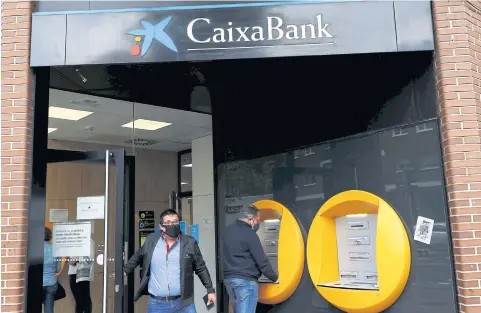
(203,210)
(155,178)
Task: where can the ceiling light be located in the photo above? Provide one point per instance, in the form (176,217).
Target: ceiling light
(187,165)
(67,114)
(146,124)
(51,130)
(184,183)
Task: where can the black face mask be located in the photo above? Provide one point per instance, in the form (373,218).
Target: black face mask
(255,227)
(173,231)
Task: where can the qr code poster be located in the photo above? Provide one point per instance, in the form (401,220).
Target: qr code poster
(424,230)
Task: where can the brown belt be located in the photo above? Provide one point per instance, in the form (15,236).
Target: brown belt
(169,298)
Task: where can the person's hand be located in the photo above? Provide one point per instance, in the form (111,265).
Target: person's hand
(211,298)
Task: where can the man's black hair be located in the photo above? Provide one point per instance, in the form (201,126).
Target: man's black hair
(249,211)
(48,234)
(166,213)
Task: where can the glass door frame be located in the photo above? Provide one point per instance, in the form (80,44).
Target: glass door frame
(117,158)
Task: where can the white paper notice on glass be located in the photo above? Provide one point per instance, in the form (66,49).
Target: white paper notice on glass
(424,230)
(58,215)
(71,239)
(90,208)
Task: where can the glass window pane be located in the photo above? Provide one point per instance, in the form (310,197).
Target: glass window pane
(402,165)
(186,172)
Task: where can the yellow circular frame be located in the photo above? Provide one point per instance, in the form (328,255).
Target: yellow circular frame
(290,256)
(393,253)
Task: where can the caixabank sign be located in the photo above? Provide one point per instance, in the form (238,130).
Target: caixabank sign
(229,31)
(207,35)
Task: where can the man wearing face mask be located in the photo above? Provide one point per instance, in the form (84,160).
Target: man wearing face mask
(245,261)
(169,260)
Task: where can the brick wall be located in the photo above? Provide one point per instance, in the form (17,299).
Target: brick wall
(16,123)
(458,67)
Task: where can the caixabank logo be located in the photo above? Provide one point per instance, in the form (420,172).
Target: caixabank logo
(145,37)
(207,34)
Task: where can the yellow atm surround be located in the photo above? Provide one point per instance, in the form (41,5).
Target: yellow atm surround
(50,226)
(393,254)
(290,256)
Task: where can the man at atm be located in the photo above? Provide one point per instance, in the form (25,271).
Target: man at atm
(245,261)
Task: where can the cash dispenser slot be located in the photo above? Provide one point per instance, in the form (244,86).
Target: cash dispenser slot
(358,225)
(370,276)
(359,256)
(272,229)
(349,275)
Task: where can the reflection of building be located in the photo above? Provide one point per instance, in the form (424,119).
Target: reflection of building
(414,168)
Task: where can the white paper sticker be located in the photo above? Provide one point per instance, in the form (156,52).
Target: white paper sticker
(90,208)
(58,215)
(424,230)
(71,239)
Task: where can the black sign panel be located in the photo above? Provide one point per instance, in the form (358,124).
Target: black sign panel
(227,33)
(146,224)
(146,214)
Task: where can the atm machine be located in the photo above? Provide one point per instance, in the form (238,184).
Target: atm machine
(356,250)
(283,244)
(269,236)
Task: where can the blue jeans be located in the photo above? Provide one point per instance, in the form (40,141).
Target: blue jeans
(243,294)
(49,300)
(158,306)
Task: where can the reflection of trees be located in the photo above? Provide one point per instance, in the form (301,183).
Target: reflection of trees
(251,177)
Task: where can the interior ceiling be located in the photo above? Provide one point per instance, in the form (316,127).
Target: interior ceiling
(104,126)
(162,84)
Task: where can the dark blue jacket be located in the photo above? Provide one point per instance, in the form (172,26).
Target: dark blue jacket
(243,254)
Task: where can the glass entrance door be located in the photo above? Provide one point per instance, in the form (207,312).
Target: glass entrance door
(85,213)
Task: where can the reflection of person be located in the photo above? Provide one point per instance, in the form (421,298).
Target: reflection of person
(51,267)
(80,273)
(245,261)
(168,257)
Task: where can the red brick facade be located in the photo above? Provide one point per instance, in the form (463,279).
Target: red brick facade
(15,155)
(458,77)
